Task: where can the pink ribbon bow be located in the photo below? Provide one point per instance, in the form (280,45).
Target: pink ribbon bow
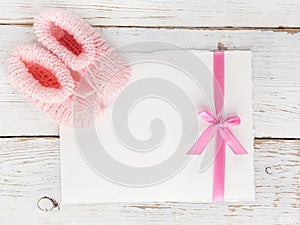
(220,129)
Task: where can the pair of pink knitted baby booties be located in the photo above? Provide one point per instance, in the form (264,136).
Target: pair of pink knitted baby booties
(72,77)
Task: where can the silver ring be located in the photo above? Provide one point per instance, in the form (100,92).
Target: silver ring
(53,202)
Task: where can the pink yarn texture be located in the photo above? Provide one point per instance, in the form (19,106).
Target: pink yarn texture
(74,76)
(46,82)
(82,49)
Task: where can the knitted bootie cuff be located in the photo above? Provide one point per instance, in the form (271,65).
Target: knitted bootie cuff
(46,82)
(70,38)
(35,72)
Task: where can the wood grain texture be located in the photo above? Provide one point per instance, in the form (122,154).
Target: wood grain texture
(174,13)
(30,167)
(30,170)
(275,64)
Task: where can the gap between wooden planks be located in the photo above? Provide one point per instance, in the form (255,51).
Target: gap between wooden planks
(177,13)
(290,30)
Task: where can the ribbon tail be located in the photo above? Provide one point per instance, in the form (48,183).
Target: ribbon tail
(233,143)
(219,169)
(202,141)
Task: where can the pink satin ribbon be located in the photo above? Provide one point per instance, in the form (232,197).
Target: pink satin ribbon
(220,128)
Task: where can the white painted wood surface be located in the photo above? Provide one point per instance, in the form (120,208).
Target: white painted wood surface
(30,170)
(29,167)
(178,13)
(276,57)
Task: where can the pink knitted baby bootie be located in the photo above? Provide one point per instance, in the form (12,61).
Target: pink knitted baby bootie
(46,82)
(83,50)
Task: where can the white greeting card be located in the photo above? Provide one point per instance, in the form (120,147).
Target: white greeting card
(137,150)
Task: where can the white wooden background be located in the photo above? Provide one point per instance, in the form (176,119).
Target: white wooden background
(29,142)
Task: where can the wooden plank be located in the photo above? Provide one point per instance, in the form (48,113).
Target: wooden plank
(30,170)
(276,77)
(177,13)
